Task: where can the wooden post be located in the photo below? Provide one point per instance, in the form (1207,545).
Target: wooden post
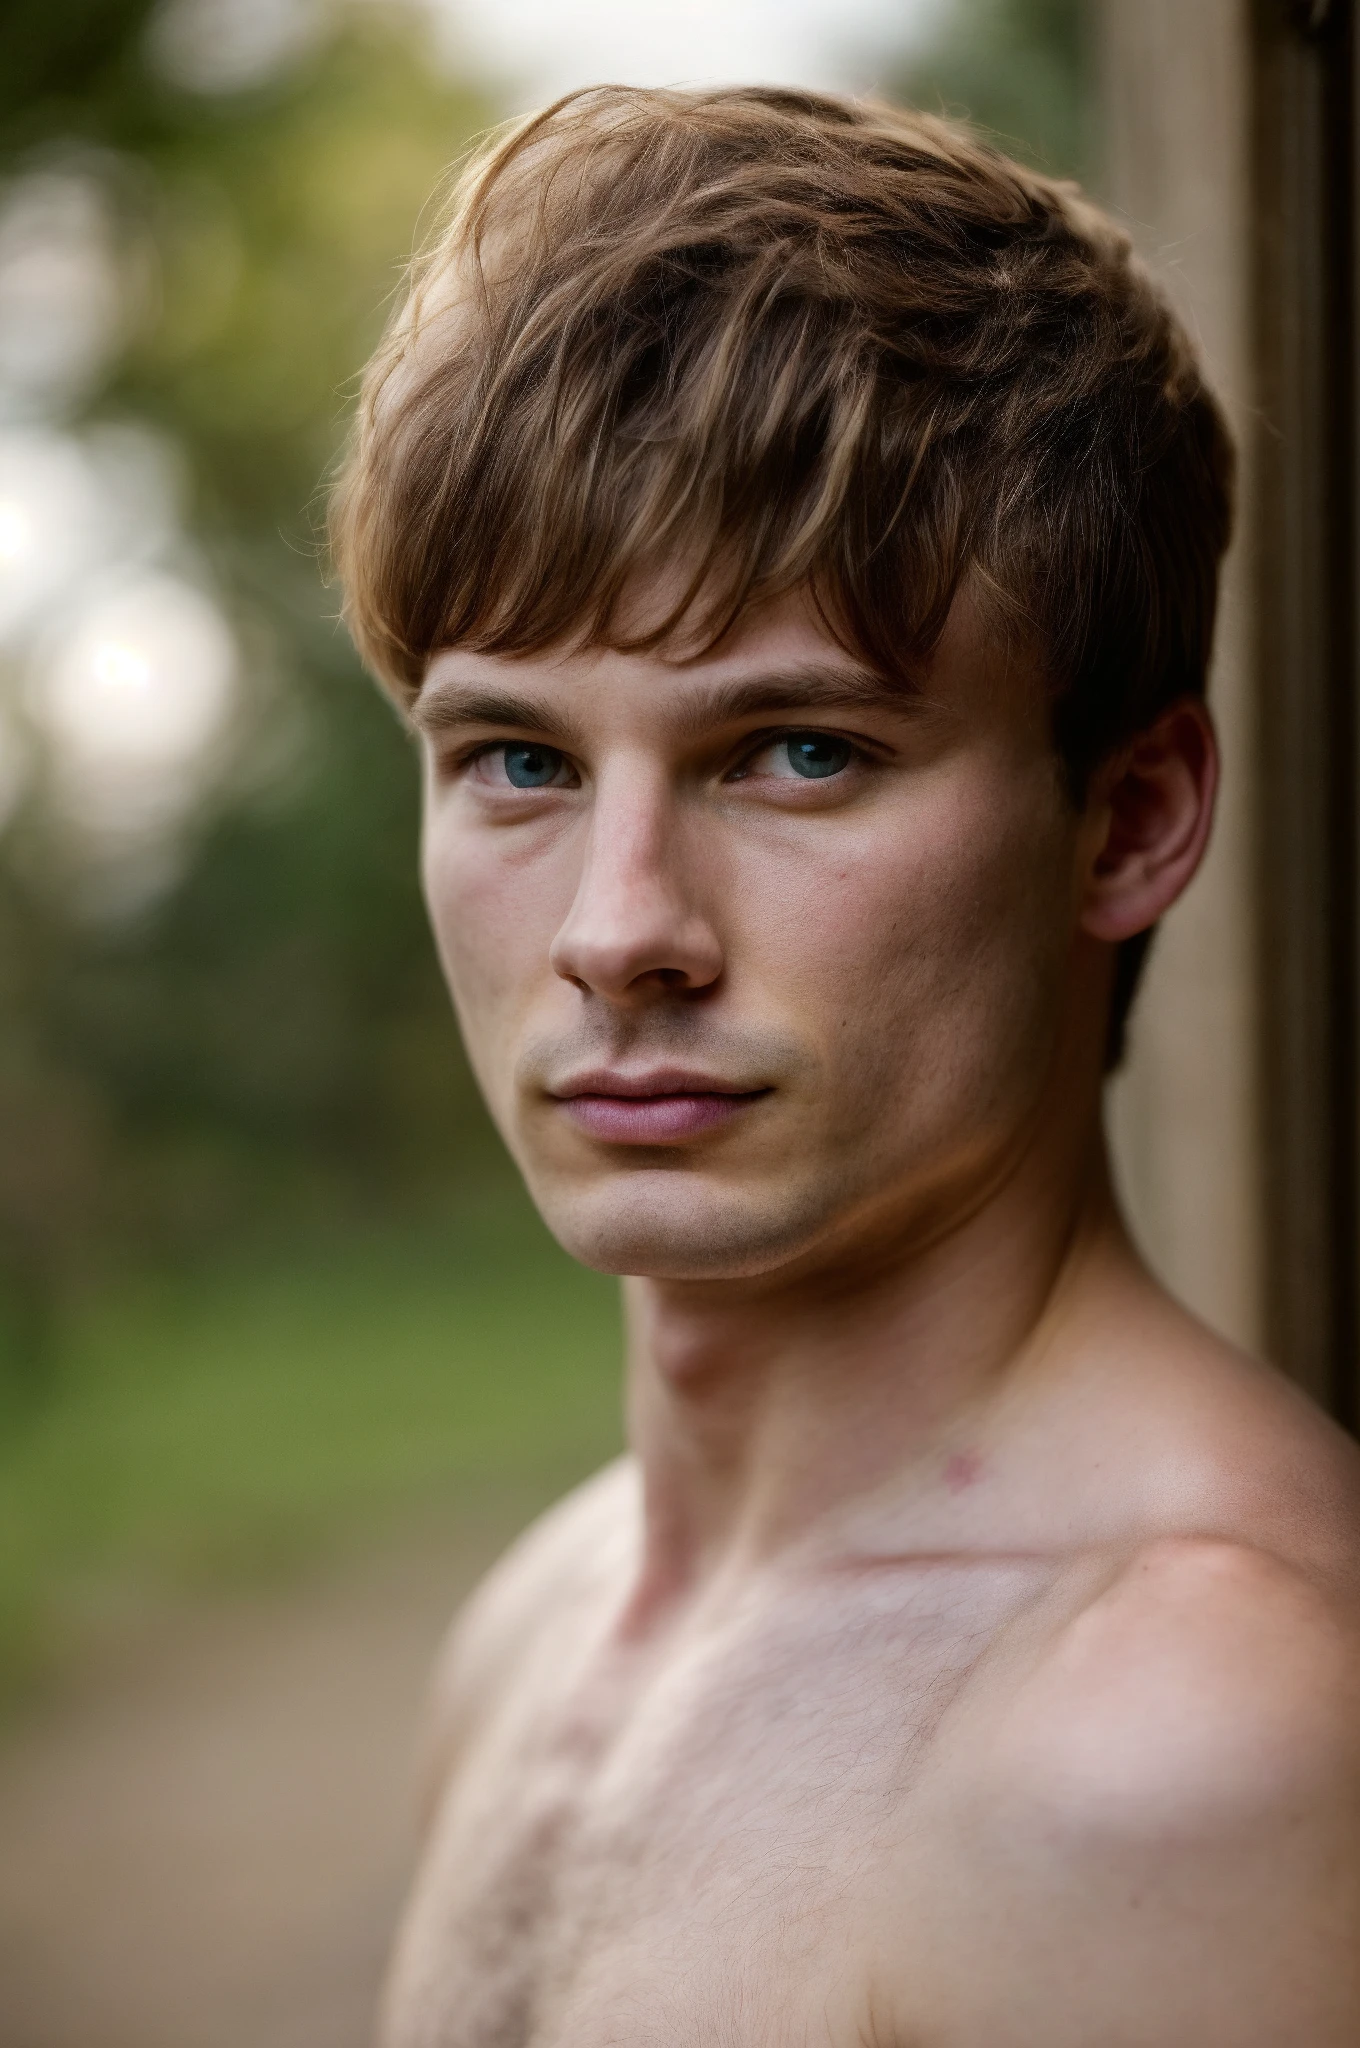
(1304,62)
(1175,136)
(1231,150)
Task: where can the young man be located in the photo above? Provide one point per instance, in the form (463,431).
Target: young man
(793,531)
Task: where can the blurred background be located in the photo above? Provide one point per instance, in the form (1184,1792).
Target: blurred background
(284,1356)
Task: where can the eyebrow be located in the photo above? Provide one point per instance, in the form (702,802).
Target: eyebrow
(442,707)
(811,686)
(446,706)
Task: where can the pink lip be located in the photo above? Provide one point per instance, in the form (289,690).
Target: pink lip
(651,1109)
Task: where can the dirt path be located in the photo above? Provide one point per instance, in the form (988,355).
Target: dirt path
(205,1836)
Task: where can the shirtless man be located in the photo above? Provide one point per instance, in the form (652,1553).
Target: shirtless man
(792,531)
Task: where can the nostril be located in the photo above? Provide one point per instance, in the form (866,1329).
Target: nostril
(629,942)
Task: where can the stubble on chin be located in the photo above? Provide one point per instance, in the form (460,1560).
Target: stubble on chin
(677,1222)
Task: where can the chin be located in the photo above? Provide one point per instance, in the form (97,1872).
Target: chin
(660,1225)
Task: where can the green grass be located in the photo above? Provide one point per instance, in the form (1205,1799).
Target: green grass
(230,1421)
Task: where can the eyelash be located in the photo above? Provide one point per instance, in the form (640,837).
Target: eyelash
(760,743)
(862,752)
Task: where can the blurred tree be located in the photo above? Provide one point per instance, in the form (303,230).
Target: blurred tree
(52,1156)
(292,960)
(274,1019)
(64,65)
(1018,70)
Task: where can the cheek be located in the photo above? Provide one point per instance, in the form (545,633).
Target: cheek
(985,887)
(938,942)
(494,913)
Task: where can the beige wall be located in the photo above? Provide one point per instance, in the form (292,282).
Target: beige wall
(1175,144)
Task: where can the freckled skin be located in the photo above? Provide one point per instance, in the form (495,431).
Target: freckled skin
(967,1654)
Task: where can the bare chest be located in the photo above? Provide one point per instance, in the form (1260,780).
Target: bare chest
(700,1859)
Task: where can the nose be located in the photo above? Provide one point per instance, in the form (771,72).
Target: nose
(635,929)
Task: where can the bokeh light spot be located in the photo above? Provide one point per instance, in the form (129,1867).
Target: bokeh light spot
(133,699)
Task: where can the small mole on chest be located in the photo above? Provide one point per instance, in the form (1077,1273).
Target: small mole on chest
(962,1469)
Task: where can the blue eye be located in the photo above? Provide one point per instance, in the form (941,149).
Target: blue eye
(816,754)
(531,767)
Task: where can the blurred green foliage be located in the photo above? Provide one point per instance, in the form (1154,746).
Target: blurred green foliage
(271,1033)
(1018,69)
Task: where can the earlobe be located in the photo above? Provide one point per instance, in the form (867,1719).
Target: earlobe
(1154,803)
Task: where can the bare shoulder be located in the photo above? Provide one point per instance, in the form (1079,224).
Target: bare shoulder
(1206,1681)
(539,1598)
(1161,1813)
(1177,1785)
(1212,1660)
(1223,1633)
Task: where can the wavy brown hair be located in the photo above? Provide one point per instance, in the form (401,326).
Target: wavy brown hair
(760,339)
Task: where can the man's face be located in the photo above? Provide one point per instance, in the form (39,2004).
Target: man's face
(754,955)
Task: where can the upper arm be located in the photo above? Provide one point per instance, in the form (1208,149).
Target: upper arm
(1172,1852)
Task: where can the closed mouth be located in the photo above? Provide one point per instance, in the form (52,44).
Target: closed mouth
(652,1109)
(662,1081)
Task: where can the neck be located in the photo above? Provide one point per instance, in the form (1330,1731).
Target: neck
(761,1412)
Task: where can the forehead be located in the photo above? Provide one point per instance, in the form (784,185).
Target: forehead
(780,654)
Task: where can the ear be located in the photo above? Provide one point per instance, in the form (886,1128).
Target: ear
(1150,809)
